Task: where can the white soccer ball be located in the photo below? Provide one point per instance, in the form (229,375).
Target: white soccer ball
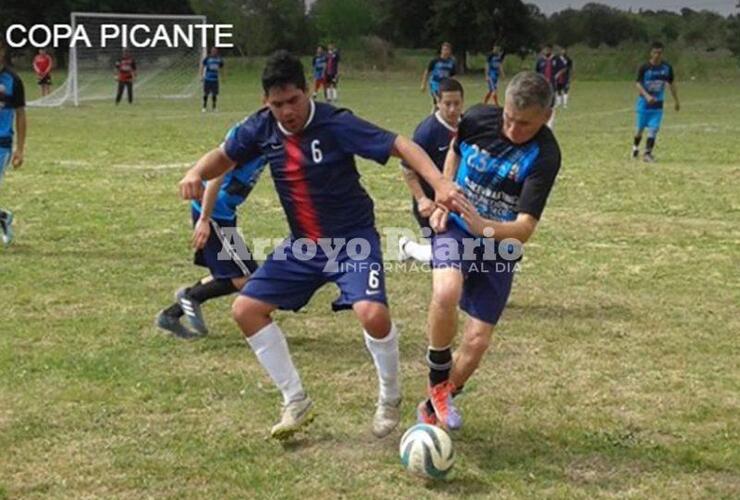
(427,450)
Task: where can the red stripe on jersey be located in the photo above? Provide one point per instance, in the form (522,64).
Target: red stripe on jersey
(303,207)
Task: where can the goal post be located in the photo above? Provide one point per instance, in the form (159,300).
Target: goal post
(162,71)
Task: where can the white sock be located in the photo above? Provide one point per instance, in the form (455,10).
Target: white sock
(551,121)
(565,100)
(386,358)
(558,100)
(271,349)
(421,252)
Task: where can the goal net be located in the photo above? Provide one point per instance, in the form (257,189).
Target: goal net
(161,71)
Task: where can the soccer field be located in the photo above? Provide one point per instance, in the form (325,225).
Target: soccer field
(614,372)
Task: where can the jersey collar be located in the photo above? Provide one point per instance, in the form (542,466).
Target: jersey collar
(308,122)
(441,120)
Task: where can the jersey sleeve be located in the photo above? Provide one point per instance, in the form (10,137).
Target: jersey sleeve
(539,182)
(19,93)
(430,66)
(422,137)
(641,73)
(241,144)
(359,137)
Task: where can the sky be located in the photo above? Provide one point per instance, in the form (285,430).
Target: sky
(724,7)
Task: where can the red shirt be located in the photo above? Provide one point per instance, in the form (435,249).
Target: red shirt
(42,64)
(126,67)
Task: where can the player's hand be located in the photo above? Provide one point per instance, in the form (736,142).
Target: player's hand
(438,219)
(446,192)
(650,99)
(476,223)
(191,186)
(17,159)
(201,233)
(677,105)
(425,206)
(422,88)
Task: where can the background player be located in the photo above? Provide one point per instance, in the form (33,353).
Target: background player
(494,72)
(652,78)
(12,109)
(563,78)
(319,71)
(210,72)
(546,66)
(438,68)
(126,74)
(434,135)
(219,247)
(311,149)
(42,66)
(506,162)
(332,73)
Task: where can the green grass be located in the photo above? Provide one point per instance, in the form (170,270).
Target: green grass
(614,373)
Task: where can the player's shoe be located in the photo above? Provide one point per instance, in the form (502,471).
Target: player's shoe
(192,311)
(172,325)
(424,416)
(7,227)
(295,415)
(444,408)
(402,255)
(635,152)
(648,158)
(386,418)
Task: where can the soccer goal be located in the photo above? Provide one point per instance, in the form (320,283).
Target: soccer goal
(162,71)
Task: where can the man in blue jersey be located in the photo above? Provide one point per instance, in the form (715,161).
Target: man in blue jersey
(318,65)
(438,68)
(652,78)
(218,247)
(506,162)
(494,72)
(311,149)
(434,134)
(12,110)
(210,71)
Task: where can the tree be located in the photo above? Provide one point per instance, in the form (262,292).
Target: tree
(733,35)
(343,20)
(406,23)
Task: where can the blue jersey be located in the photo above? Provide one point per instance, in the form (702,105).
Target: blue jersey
(319,66)
(502,179)
(212,66)
(12,96)
(493,65)
(314,170)
(653,79)
(434,135)
(441,68)
(235,187)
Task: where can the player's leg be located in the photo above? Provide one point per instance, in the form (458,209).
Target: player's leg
(119,93)
(6,216)
(206,91)
(130,91)
(475,343)
(566,90)
(654,120)
(214,95)
(642,123)
(495,97)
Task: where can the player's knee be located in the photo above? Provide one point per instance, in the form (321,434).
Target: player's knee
(445,296)
(248,314)
(374,317)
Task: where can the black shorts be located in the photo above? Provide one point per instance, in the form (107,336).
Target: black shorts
(331,79)
(225,254)
(210,87)
(46,80)
(562,87)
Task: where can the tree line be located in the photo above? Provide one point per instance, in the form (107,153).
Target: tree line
(472,26)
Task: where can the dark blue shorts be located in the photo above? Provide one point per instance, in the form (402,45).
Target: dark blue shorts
(225,254)
(487,275)
(492,84)
(649,119)
(293,272)
(210,87)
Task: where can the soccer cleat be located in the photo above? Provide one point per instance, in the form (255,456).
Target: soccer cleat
(386,418)
(648,158)
(203,110)
(172,324)
(402,255)
(424,416)
(7,226)
(192,311)
(635,152)
(445,410)
(294,416)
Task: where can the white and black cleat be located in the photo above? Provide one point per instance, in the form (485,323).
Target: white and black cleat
(192,311)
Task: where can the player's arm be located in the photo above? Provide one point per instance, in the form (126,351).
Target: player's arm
(674,93)
(202,69)
(202,230)
(416,158)
(438,219)
(213,164)
(20,144)
(426,206)
(640,89)
(520,229)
